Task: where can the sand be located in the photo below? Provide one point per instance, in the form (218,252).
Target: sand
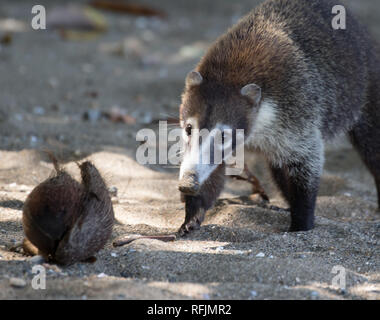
(242,250)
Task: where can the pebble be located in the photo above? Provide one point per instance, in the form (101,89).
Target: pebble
(112,191)
(33,140)
(113,254)
(314,294)
(102,275)
(260,255)
(17,282)
(92,115)
(37,259)
(253,294)
(38,110)
(19,117)
(53,82)
(343,291)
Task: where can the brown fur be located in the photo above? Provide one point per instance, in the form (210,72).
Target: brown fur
(68,221)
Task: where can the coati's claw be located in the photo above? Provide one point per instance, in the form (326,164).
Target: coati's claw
(188,227)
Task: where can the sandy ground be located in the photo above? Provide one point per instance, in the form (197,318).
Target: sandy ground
(242,251)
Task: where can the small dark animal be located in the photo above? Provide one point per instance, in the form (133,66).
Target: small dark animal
(291,81)
(67,221)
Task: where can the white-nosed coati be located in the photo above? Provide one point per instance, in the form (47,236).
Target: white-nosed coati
(291,81)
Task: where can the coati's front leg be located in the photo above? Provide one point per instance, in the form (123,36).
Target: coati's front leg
(299,185)
(197,205)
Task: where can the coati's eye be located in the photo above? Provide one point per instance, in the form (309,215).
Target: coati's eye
(188,129)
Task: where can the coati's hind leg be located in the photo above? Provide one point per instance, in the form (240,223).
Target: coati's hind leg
(365,137)
(197,205)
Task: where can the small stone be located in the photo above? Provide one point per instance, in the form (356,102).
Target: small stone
(37,259)
(314,295)
(19,117)
(17,282)
(102,275)
(253,294)
(260,255)
(206,296)
(92,115)
(53,82)
(53,267)
(113,254)
(38,110)
(343,291)
(112,191)
(33,140)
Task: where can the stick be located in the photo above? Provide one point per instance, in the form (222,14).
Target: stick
(122,242)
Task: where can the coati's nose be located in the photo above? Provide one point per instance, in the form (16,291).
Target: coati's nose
(189,184)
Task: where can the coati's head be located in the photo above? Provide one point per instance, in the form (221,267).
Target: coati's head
(211,115)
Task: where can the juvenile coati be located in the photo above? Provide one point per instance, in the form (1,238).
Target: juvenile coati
(292,82)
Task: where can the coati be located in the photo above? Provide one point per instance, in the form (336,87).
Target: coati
(292,82)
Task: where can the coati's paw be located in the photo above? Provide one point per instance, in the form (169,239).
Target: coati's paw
(186,228)
(298,228)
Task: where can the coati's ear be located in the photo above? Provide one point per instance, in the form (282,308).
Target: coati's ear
(193,78)
(252,91)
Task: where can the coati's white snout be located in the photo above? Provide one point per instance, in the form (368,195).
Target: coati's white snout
(204,152)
